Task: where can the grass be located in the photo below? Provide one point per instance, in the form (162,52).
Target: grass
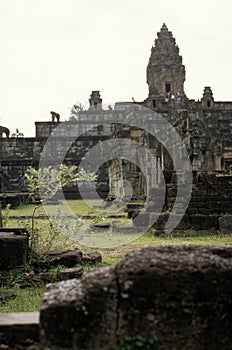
(79,207)
(28,299)
(111,256)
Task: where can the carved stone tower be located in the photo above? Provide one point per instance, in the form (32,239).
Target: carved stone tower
(95,101)
(207,100)
(165,71)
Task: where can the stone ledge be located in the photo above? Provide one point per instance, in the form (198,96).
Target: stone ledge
(20,326)
(13,318)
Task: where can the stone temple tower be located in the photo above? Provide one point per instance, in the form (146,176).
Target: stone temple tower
(95,101)
(165,71)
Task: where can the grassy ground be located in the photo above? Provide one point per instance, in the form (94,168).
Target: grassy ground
(28,299)
(79,207)
(111,256)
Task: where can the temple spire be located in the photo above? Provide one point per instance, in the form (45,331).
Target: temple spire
(164,27)
(165,71)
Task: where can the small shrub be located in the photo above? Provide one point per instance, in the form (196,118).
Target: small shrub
(6,215)
(140,342)
(22,279)
(137,342)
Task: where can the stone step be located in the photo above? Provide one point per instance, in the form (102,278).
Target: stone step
(18,327)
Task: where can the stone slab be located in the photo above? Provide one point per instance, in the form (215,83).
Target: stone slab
(19,318)
(19,327)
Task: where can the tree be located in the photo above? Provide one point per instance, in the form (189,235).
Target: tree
(76,108)
(17,134)
(45,182)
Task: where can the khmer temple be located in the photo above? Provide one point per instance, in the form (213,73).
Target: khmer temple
(204,126)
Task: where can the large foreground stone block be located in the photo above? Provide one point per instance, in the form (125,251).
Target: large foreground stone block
(13,251)
(80,314)
(183,294)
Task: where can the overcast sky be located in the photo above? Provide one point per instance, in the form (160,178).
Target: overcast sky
(55,52)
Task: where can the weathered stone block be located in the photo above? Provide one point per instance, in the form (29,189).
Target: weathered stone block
(192,211)
(18,328)
(203,211)
(225,224)
(101,225)
(80,314)
(204,222)
(159,224)
(181,293)
(67,274)
(62,275)
(168,290)
(13,251)
(92,258)
(65,257)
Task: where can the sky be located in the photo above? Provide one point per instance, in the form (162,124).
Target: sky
(53,53)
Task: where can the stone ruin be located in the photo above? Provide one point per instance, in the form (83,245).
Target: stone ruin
(4,131)
(182,294)
(204,126)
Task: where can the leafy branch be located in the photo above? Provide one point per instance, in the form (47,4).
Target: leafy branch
(46,181)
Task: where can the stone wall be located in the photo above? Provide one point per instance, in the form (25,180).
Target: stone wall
(210,199)
(17,154)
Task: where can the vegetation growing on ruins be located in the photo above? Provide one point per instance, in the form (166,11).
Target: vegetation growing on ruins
(28,292)
(76,108)
(46,181)
(140,342)
(17,134)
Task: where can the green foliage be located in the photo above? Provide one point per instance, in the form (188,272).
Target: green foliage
(7,344)
(5,215)
(50,237)
(137,342)
(26,299)
(45,182)
(21,279)
(45,236)
(225,173)
(48,180)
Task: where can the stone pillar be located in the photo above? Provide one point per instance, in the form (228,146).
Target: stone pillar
(1,214)
(217,163)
